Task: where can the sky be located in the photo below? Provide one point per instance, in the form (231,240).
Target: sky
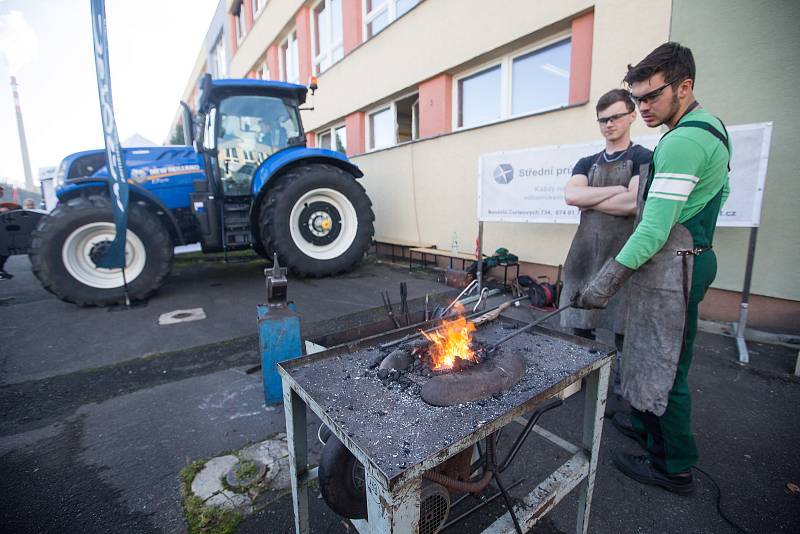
(47,45)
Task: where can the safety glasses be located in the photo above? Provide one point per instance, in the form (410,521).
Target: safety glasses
(613,118)
(652,95)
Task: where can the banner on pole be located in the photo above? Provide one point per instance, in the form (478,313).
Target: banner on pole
(114,256)
(528,185)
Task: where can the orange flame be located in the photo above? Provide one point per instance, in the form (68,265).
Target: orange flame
(451,341)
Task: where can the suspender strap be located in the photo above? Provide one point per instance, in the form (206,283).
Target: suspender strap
(713,131)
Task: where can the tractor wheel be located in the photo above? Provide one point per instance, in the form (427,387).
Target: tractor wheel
(318,219)
(63,242)
(341,480)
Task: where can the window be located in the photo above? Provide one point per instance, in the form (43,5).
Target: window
(327,32)
(337,135)
(251,129)
(527,81)
(479,97)
(263,71)
(380,13)
(396,123)
(219,68)
(290,62)
(241,30)
(381,128)
(258,5)
(540,79)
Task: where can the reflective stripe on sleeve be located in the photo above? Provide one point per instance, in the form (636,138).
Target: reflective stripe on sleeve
(674,187)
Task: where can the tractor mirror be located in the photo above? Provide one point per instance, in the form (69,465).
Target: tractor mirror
(209,137)
(188,125)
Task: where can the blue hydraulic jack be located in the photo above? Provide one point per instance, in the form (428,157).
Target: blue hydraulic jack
(278,331)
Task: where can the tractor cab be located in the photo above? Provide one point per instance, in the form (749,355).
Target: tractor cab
(246,122)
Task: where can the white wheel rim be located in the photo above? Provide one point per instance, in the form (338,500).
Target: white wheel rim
(349,224)
(77,260)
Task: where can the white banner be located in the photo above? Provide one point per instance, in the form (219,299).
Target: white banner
(528,185)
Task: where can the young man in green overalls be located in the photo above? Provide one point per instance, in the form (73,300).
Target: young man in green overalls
(670,264)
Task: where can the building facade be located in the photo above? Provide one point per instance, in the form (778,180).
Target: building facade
(414,91)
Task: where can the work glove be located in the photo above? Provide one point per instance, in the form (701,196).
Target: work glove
(603,286)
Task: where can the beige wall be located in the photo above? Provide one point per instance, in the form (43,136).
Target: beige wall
(428,189)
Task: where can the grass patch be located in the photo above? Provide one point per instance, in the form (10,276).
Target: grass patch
(200,518)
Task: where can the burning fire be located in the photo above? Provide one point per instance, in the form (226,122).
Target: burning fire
(451,341)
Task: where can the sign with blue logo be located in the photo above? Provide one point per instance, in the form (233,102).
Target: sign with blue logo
(528,185)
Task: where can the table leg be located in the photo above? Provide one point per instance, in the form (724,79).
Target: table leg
(295,411)
(593,408)
(392,513)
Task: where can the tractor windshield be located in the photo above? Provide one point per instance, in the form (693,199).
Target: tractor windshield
(252,128)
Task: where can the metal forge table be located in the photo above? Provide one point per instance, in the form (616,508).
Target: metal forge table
(397,437)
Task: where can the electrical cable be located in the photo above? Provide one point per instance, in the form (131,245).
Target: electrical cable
(721,513)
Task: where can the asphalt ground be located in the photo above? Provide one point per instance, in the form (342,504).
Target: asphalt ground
(100,410)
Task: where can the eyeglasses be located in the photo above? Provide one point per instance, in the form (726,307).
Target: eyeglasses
(652,95)
(613,118)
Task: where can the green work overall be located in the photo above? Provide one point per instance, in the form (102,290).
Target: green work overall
(669,437)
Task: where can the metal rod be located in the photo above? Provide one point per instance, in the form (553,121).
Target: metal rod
(477,506)
(741,325)
(523,436)
(479,253)
(438,326)
(466,290)
(528,327)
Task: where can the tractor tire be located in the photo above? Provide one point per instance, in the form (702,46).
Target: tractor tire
(318,219)
(341,480)
(62,241)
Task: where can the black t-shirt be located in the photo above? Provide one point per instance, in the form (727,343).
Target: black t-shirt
(637,153)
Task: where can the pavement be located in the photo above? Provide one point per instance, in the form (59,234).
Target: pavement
(101,409)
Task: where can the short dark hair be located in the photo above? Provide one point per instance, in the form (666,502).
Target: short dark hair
(614,96)
(676,62)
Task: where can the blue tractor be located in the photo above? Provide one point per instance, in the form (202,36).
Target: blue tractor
(245,180)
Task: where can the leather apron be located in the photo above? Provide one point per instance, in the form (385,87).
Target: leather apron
(600,236)
(657,306)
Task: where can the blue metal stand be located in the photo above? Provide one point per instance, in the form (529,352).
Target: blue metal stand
(278,331)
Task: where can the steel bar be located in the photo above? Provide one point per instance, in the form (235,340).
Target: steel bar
(478,506)
(741,325)
(529,326)
(438,326)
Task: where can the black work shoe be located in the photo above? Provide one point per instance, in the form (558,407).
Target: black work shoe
(622,422)
(616,404)
(5,276)
(641,469)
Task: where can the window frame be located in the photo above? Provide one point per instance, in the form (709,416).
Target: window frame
(263,70)
(317,55)
(506,63)
(331,131)
(258,8)
(282,57)
(240,26)
(389,6)
(392,105)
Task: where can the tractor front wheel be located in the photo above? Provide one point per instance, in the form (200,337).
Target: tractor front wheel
(65,242)
(318,219)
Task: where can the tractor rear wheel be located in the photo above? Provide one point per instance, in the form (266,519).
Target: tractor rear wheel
(318,219)
(64,242)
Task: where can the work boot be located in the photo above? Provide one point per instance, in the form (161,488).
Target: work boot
(641,469)
(622,422)
(5,276)
(616,404)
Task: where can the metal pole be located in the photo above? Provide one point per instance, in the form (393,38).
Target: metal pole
(23,142)
(741,325)
(480,257)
